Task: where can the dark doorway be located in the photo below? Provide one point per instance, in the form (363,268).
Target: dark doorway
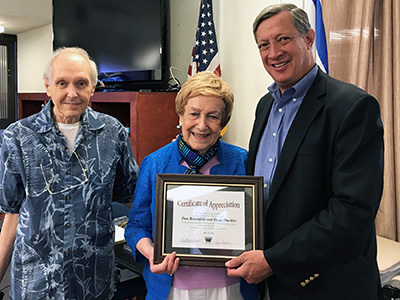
(8,79)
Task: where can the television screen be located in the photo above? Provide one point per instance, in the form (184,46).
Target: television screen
(126,39)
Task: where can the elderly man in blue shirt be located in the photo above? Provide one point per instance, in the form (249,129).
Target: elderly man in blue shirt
(59,171)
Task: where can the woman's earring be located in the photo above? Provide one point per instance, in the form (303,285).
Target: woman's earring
(179,126)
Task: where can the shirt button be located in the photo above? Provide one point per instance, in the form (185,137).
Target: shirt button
(63,148)
(265,185)
(270,159)
(67,252)
(274,134)
(68,225)
(280,110)
(68,197)
(68,171)
(294,99)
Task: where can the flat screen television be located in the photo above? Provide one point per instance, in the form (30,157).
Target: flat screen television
(127,39)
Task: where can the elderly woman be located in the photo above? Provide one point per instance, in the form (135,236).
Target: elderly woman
(204,105)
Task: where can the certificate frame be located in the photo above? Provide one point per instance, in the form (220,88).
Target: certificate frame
(180,220)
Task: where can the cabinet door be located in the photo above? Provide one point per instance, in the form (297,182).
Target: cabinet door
(30,103)
(156,122)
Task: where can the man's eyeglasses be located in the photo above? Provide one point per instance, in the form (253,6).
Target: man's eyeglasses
(48,183)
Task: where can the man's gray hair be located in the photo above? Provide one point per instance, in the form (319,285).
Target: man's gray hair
(299,17)
(48,70)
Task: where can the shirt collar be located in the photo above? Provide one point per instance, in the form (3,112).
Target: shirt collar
(45,122)
(299,90)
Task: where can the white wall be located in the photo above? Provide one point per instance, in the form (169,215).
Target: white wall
(240,62)
(241,65)
(184,15)
(34,48)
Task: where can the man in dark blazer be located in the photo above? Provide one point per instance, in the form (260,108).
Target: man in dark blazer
(318,143)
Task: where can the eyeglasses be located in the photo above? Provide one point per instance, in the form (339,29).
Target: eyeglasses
(48,183)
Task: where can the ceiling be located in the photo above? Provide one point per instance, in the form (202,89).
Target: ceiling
(18,16)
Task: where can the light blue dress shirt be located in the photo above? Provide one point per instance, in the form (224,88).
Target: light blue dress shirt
(65,234)
(283,112)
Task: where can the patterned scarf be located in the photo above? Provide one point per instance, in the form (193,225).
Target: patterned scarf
(195,161)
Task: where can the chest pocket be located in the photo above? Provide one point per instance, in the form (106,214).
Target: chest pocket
(107,161)
(311,149)
(39,171)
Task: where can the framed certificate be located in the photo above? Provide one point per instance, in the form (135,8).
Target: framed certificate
(207,219)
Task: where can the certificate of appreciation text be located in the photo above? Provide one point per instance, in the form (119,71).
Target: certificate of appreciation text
(208,218)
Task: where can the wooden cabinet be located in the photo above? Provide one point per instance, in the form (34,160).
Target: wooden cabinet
(149,117)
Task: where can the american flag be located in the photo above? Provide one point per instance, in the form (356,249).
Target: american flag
(205,55)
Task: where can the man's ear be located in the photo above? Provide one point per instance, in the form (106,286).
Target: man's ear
(310,38)
(47,86)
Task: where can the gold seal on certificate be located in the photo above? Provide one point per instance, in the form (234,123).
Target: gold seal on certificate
(207,219)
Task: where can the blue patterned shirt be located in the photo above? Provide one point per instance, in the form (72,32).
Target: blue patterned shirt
(65,233)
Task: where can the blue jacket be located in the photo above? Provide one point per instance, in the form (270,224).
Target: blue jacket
(141,219)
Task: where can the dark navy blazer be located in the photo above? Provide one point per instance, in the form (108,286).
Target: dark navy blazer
(319,229)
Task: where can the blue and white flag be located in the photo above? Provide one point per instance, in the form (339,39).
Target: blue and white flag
(314,11)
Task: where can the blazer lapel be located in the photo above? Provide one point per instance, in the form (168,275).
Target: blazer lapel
(304,118)
(261,120)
